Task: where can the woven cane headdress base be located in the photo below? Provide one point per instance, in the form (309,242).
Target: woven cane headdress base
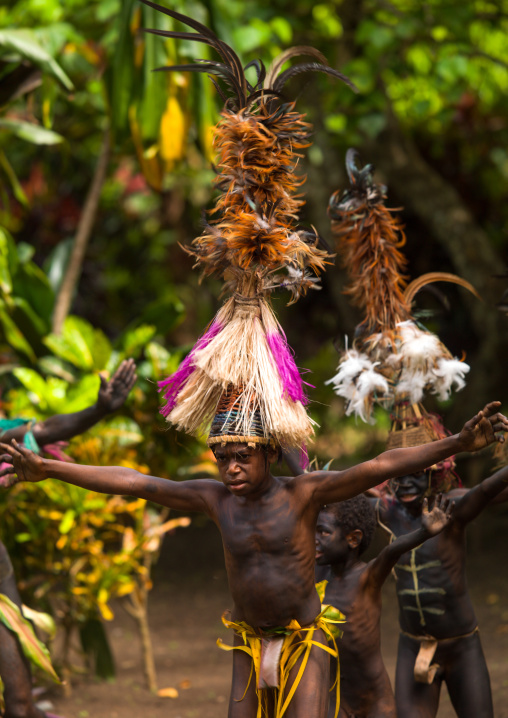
(411,426)
(229,427)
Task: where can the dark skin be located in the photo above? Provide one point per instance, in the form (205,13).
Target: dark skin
(61,427)
(434,600)
(14,668)
(354,587)
(268,530)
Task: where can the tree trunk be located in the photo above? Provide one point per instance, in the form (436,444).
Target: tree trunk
(85,226)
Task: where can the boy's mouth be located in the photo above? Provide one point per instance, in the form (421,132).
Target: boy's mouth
(407,498)
(236,485)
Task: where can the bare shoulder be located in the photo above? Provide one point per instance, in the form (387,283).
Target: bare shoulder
(305,483)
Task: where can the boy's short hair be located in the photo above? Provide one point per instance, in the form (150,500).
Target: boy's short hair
(355,513)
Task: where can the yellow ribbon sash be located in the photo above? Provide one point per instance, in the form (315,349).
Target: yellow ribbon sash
(298,641)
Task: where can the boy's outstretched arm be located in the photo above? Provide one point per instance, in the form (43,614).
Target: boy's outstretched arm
(195,495)
(433,522)
(475,500)
(477,433)
(61,427)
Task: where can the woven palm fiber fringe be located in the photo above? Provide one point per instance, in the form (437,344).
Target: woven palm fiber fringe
(240,355)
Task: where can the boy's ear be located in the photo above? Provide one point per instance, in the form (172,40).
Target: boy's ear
(354,538)
(272,454)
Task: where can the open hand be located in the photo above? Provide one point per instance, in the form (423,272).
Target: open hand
(114,392)
(480,431)
(434,521)
(22,465)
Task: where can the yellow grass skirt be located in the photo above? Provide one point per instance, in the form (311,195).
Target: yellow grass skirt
(298,641)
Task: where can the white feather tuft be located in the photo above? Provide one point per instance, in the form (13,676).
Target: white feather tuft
(358,382)
(412,382)
(449,374)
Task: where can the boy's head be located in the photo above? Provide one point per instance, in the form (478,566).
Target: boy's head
(243,468)
(411,489)
(342,528)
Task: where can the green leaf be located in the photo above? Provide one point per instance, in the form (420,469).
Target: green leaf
(11,175)
(41,620)
(162,362)
(31,283)
(14,336)
(31,133)
(165,313)
(83,393)
(123,68)
(39,324)
(25,43)
(67,521)
(34,650)
(321,588)
(283,29)
(5,274)
(135,340)
(120,430)
(57,367)
(34,383)
(56,264)
(25,252)
(80,344)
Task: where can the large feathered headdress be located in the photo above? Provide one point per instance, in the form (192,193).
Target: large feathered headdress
(393,360)
(252,240)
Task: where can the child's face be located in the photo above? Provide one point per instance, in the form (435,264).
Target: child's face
(331,544)
(410,490)
(242,469)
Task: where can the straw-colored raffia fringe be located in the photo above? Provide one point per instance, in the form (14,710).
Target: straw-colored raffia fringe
(240,356)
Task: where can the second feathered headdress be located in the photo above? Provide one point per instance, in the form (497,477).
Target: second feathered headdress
(393,360)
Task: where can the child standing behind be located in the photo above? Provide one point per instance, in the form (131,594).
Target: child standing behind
(344,531)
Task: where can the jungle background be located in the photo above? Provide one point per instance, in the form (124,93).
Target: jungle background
(105,171)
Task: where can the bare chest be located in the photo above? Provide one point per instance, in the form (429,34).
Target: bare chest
(275,527)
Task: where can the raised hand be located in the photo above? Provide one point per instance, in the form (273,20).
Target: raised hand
(114,392)
(480,431)
(434,521)
(21,465)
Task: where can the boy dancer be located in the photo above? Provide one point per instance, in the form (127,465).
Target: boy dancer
(14,668)
(268,530)
(439,640)
(343,533)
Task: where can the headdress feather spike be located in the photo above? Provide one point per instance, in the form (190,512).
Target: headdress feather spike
(394,359)
(241,376)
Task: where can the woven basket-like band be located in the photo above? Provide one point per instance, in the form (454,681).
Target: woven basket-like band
(238,439)
(405,438)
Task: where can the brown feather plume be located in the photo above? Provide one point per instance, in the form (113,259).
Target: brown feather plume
(254,225)
(369,239)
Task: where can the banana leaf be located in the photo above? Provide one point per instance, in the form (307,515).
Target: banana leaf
(34,650)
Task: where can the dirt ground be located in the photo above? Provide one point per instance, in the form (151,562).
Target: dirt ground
(190,594)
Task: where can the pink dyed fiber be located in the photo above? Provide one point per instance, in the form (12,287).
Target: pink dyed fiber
(304,458)
(175,383)
(288,371)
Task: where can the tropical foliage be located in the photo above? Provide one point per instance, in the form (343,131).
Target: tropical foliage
(77,94)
